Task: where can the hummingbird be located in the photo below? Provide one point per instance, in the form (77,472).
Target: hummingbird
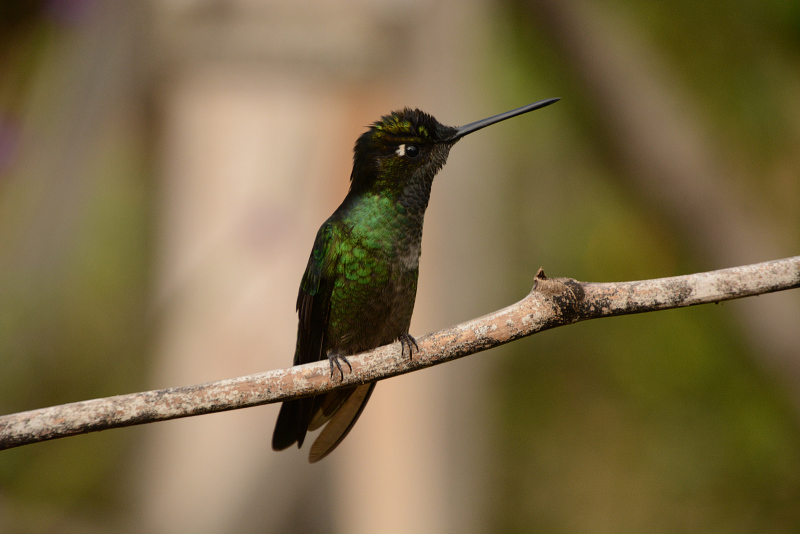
(359,287)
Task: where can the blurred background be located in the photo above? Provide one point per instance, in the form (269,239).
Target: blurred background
(164,167)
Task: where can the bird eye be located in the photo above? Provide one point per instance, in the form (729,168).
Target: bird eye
(412,151)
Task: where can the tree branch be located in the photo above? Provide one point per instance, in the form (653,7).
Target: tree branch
(551,303)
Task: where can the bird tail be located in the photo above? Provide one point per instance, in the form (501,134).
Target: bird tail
(292,423)
(341,423)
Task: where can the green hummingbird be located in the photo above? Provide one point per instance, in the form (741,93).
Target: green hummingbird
(360,284)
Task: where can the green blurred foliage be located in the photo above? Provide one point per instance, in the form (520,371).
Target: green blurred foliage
(74,269)
(661,422)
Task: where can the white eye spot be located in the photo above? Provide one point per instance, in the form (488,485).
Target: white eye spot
(401,150)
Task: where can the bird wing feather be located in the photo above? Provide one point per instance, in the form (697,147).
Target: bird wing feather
(339,409)
(313,307)
(314,297)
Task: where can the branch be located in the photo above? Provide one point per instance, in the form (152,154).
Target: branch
(551,303)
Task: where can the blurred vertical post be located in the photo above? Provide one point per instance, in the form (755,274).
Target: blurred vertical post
(260,104)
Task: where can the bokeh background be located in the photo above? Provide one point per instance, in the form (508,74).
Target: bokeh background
(164,166)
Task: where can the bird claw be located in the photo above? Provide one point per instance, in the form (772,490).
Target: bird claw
(334,359)
(406,340)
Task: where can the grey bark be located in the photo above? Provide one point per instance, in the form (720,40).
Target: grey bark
(551,303)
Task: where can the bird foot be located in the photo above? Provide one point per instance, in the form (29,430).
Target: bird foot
(335,358)
(406,340)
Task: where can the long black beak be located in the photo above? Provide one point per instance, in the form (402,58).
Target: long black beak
(461,131)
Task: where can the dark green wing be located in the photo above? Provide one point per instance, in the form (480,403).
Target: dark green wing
(338,410)
(314,298)
(313,307)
